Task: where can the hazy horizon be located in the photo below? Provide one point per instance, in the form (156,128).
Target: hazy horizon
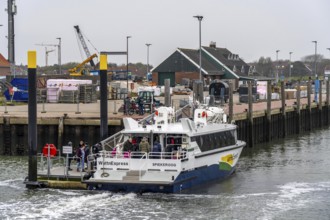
(251,29)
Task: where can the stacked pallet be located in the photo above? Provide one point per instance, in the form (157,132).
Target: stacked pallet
(68,96)
(87,93)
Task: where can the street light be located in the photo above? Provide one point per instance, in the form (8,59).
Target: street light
(328,49)
(200,18)
(290,64)
(315,56)
(127,37)
(148,45)
(277,65)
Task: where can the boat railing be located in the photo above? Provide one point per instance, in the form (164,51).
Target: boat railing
(177,154)
(110,142)
(49,162)
(143,165)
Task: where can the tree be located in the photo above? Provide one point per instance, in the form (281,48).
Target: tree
(265,66)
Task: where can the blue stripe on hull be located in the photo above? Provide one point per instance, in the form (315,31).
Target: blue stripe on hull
(199,176)
(184,181)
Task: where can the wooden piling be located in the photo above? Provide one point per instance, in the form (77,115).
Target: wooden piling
(167,92)
(298,115)
(269,111)
(250,116)
(60,134)
(309,106)
(231,102)
(327,101)
(320,104)
(283,109)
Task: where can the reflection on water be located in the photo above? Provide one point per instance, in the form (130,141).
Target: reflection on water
(288,179)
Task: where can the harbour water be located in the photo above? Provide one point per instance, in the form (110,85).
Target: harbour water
(289,179)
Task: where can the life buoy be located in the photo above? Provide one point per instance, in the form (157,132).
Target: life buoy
(52,150)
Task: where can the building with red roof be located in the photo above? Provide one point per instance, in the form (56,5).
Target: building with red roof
(4,66)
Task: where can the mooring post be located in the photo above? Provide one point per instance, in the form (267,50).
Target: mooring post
(298,119)
(327,102)
(309,107)
(103,96)
(320,104)
(32,120)
(250,115)
(269,111)
(283,108)
(231,102)
(167,92)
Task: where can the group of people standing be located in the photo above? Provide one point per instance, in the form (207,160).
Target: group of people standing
(81,153)
(131,144)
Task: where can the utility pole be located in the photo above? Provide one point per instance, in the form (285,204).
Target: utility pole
(127,37)
(200,18)
(315,58)
(12,10)
(59,55)
(148,45)
(290,65)
(277,70)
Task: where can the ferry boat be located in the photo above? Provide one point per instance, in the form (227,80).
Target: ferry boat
(192,152)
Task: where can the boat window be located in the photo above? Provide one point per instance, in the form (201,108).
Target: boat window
(215,140)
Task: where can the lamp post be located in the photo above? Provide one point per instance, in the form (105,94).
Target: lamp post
(290,64)
(127,37)
(200,18)
(277,65)
(148,45)
(59,55)
(328,49)
(315,42)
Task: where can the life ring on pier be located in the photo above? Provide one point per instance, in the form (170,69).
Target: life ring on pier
(52,150)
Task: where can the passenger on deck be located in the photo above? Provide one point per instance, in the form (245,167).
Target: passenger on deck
(144,145)
(128,146)
(157,148)
(81,157)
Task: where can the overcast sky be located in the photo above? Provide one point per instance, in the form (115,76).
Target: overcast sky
(250,28)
